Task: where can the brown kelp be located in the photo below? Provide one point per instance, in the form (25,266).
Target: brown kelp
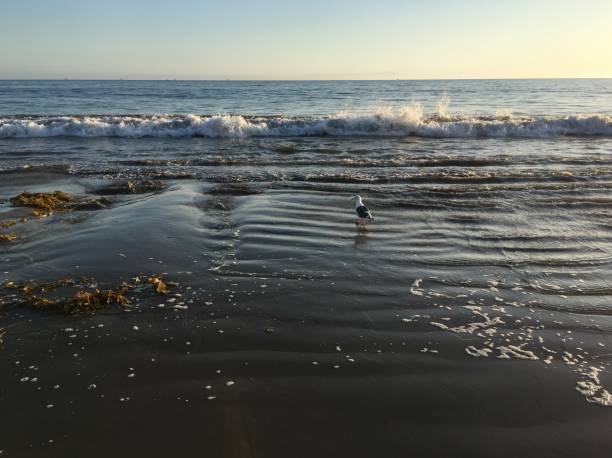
(45,203)
(59,295)
(43,200)
(159,285)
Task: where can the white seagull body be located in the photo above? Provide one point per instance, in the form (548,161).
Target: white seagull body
(363,214)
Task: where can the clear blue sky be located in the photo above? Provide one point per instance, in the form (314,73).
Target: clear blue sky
(335,39)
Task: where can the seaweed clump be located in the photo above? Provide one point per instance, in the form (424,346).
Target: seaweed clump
(80,303)
(83,301)
(31,287)
(5,225)
(8,223)
(159,286)
(87,299)
(42,200)
(44,203)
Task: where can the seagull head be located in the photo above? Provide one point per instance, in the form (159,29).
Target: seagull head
(358,202)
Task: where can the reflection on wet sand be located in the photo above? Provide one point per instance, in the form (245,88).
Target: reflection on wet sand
(361,237)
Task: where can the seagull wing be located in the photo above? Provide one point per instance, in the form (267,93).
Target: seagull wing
(363,212)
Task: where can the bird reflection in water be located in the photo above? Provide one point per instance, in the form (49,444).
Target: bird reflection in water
(361,237)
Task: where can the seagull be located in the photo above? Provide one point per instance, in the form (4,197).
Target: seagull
(363,214)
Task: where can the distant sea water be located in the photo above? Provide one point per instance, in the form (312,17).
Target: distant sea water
(486,108)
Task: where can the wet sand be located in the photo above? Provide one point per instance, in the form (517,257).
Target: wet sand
(288,332)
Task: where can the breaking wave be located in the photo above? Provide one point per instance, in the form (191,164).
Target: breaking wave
(408,122)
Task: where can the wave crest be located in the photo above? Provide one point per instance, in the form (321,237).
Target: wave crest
(408,122)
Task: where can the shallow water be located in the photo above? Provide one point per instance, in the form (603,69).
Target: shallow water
(471,318)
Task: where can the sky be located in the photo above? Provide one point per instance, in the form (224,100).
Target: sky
(314,39)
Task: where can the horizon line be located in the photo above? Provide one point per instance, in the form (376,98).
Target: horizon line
(307,79)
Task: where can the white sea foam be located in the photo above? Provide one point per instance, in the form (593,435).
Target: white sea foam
(515,351)
(592,389)
(478,352)
(383,122)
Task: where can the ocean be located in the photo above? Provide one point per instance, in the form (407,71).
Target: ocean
(471,317)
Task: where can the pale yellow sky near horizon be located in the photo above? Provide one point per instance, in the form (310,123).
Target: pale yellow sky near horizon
(337,39)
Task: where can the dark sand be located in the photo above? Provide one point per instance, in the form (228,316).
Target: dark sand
(321,328)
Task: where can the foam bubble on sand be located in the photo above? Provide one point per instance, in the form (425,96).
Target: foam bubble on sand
(470,328)
(473,308)
(592,389)
(568,358)
(478,352)
(439,325)
(515,351)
